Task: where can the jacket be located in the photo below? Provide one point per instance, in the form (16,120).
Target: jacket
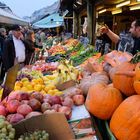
(9,53)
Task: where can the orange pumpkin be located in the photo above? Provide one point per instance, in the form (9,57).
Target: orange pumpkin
(137,79)
(124,77)
(125,121)
(102,100)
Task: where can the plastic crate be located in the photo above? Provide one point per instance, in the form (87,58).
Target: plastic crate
(109,133)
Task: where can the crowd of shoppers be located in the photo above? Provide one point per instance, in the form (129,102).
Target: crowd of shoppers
(19,44)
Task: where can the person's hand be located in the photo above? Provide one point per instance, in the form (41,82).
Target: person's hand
(104,29)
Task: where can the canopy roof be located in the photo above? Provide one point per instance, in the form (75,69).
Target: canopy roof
(54,20)
(10,18)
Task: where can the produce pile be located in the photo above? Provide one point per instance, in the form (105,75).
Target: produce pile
(111,83)
(56,50)
(21,105)
(7,132)
(36,135)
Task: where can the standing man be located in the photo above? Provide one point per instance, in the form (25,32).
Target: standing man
(2,39)
(14,49)
(134,30)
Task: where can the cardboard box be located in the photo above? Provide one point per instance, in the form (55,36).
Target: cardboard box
(66,85)
(55,124)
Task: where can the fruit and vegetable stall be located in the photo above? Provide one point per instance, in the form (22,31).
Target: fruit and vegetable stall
(72,88)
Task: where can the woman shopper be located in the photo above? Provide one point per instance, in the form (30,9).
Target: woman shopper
(30,46)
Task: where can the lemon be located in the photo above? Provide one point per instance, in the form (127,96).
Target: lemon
(38,87)
(17,88)
(19,83)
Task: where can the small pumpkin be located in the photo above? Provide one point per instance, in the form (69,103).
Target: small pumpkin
(124,76)
(125,121)
(96,77)
(137,79)
(102,100)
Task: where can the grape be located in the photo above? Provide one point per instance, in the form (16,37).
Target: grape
(24,75)
(36,135)
(6,130)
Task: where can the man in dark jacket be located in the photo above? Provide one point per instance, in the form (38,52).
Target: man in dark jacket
(2,39)
(14,49)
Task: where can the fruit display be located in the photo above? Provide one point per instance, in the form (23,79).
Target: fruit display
(36,135)
(65,72)
(21,105)
(71,43)
(56,50)
(43,66)
(7,132)
(39,84)
(29,73)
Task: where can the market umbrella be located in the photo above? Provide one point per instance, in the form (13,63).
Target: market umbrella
(54,20)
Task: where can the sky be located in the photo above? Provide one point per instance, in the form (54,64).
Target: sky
(26,7)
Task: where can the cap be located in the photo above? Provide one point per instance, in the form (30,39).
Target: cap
(15,28)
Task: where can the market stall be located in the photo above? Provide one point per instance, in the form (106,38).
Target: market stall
(10,18)
(78,86)
(52,21)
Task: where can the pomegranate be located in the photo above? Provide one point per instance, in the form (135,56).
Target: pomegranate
(3,110)
(56,107)
(66,110)
(35,104)
(9,117)
(49,111)
(12,106)
(15,118)
(45,106)
(24,102)
(68,102)
(37,96)
(55,100)
(22,96)
(31,114)
(24,109)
